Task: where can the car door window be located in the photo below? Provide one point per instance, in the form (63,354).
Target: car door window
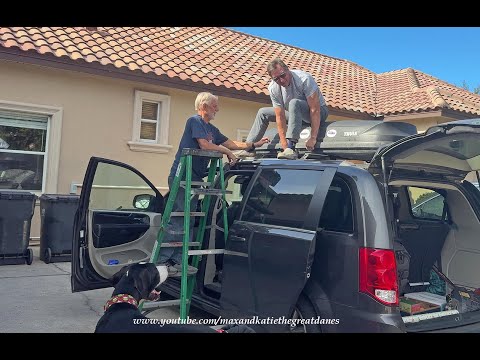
(118,188)
(281,197)
(426,203)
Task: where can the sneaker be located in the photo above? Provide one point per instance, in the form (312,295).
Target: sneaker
(241,154)
(176,270)
(287,154)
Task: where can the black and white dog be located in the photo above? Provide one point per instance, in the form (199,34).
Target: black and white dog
(136,282)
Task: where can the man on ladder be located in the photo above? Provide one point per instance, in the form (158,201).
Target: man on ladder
(199,133)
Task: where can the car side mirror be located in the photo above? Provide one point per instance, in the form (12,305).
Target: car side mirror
(143,201)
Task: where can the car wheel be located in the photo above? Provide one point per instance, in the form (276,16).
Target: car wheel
(304,311)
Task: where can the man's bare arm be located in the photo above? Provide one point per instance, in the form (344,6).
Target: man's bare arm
(206,145)
(239,145)
(281,126)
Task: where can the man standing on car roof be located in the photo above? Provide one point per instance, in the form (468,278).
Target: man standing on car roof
(296,99)
(199,133)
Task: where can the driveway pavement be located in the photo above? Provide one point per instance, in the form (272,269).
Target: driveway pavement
(37,299)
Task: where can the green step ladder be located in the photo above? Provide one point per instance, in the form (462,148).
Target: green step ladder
(185,168)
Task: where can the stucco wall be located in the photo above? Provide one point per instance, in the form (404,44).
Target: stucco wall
(98,118)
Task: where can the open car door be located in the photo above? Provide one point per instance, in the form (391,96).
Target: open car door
(117,222)
(270,247)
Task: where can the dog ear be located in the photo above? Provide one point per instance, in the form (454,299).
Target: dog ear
(118,275)
(146,279)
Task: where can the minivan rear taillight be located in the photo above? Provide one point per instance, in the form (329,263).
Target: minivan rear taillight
(378,275)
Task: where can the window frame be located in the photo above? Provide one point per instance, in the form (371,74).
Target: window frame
(160,145)
(53,141)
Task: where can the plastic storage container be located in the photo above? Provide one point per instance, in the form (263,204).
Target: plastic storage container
(57,213)
(16,212)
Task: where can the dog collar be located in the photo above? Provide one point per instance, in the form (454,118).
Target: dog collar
(120,298)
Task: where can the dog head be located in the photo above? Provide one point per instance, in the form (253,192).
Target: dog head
(144,277)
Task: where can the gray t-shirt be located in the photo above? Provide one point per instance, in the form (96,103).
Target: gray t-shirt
(303,85)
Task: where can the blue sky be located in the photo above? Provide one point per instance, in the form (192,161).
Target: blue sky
(451,54)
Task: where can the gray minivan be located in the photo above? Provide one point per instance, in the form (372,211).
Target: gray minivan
(333,244)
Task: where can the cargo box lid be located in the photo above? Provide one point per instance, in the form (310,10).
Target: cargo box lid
(347,139)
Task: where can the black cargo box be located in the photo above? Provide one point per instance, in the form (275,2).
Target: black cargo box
(345,139)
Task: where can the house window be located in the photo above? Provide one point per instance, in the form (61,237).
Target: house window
(23,149)
(150,123)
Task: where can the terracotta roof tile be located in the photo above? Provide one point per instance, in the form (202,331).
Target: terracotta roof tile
(231,59)
(44,49)
(91,58)
(105,61)
(76,55)
(10,43)
(27,46)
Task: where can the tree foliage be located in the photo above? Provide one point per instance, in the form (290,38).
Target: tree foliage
(476,90)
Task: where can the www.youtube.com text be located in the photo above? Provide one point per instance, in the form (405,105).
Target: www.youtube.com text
(255,320)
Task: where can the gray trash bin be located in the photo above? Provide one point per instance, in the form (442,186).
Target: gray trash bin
(57,214)
(16,212)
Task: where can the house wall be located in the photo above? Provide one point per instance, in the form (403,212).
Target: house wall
(98,119)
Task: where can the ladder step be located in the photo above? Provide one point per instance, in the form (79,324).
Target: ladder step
(179,244)
(182,213)
(206,252)
(160,304)
(196,183)
(210,191)
(205,153)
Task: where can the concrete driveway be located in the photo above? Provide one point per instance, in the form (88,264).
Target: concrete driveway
(37,299)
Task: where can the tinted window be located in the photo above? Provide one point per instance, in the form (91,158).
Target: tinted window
(281,197)
(337,213)
(426,203)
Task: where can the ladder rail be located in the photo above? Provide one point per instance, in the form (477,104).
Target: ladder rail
(187,282)
(168,210)
(214,162)
(186,239)
(224,205)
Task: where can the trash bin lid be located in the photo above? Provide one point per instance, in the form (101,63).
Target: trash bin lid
(59,198)
(17,195)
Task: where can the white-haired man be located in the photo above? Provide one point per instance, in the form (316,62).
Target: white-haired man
(199,133)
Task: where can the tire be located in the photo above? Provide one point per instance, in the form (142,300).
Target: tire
(304,310)
(29,259)
(47,256)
